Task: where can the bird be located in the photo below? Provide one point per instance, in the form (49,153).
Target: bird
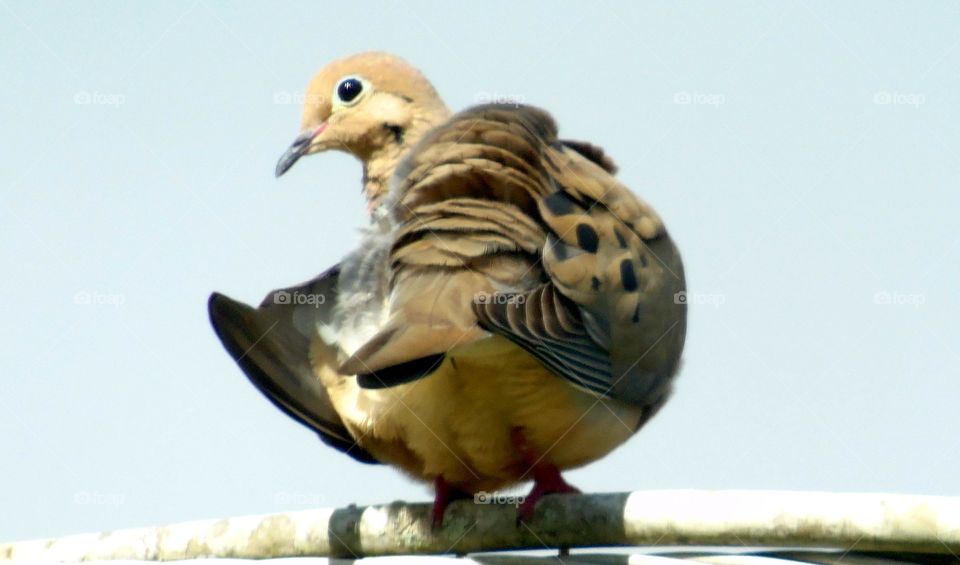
(511,311)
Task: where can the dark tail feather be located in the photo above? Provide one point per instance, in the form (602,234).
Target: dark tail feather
(275,356)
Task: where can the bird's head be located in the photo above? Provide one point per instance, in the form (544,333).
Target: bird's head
(367,105)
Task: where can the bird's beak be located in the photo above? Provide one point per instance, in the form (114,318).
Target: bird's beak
(299,148)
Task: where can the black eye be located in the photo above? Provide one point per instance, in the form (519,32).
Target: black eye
(349,89)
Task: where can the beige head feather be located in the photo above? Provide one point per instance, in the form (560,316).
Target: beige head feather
(372,105)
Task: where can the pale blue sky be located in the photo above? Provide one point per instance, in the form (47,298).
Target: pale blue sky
(803,154)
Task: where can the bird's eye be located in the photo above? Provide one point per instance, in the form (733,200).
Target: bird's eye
(349,90)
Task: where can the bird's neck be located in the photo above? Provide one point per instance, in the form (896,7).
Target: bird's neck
(380,164)
(378,170)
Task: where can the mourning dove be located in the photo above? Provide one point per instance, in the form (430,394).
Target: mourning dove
(510,312)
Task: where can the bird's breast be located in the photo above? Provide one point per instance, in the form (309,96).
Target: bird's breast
(457,421)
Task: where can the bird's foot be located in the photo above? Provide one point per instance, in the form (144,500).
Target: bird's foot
(445,494)
(546,480)
(546,477)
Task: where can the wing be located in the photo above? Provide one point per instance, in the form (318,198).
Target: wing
(276,347)
(464,207)
(610,319)
(502,228)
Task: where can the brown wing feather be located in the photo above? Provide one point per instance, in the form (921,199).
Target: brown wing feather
(466,203)
(592,152)
(504,229)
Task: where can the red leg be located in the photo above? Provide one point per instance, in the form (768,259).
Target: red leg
(546,480)
(546,477)
(445,494)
